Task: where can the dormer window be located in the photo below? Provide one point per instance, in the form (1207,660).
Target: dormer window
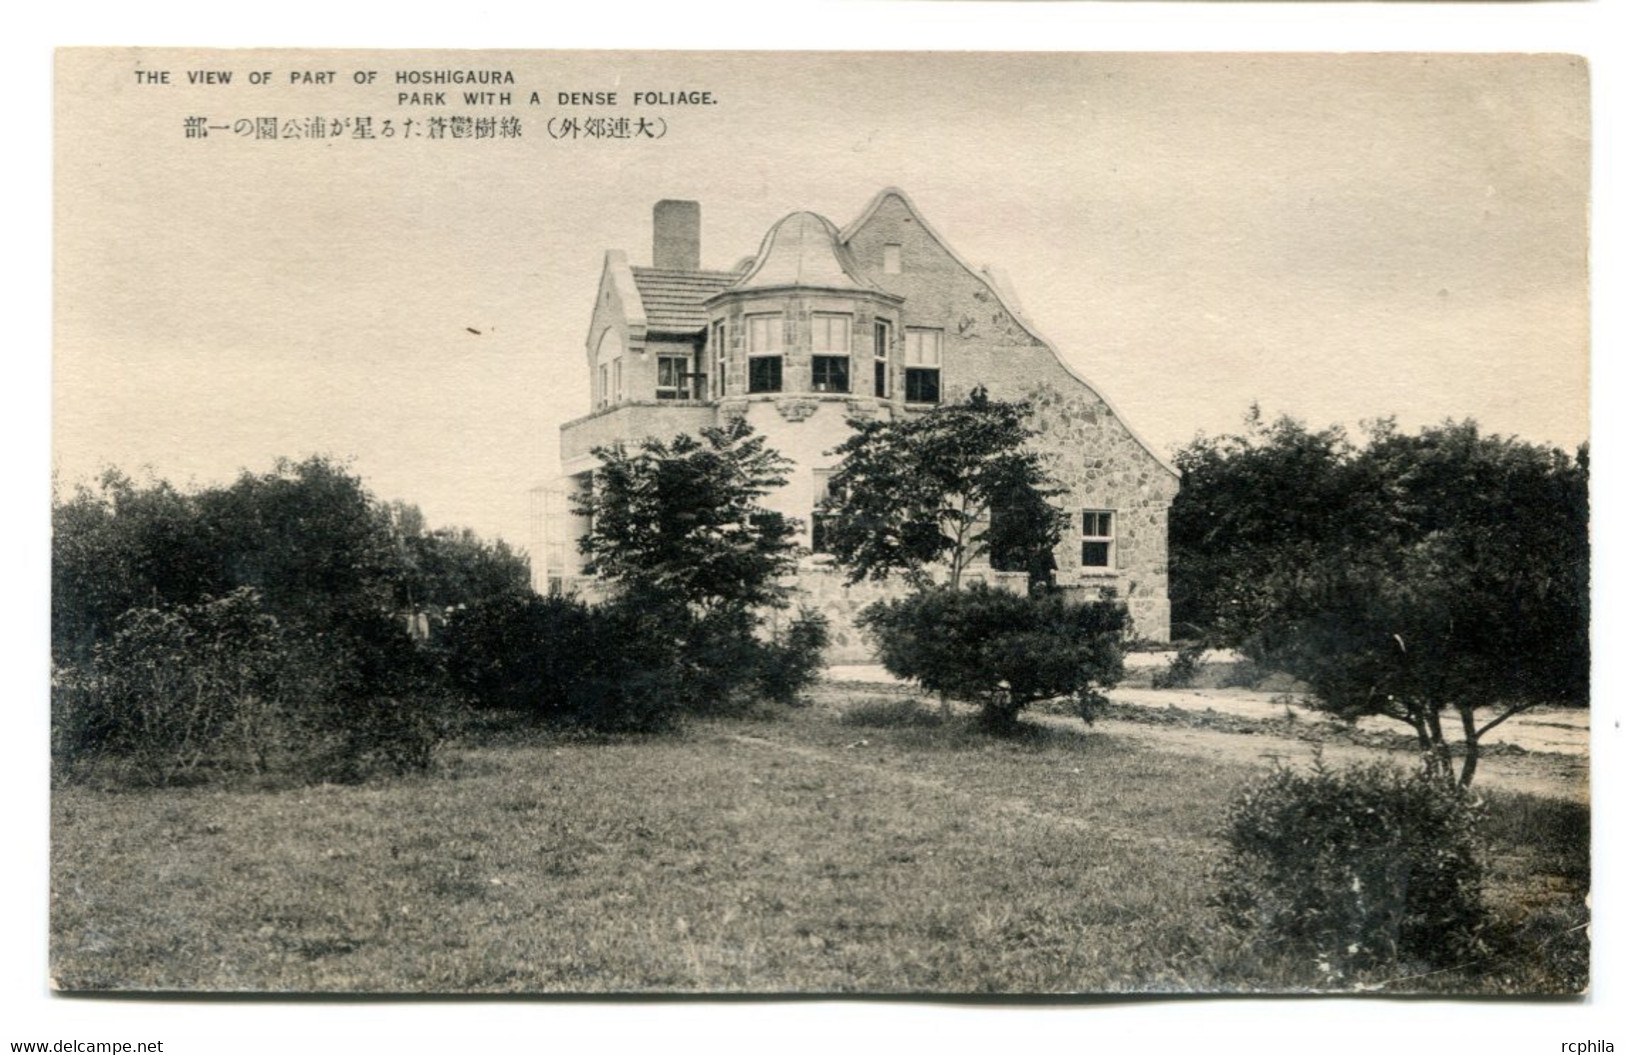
(922,366)
(764,346)
(832,353)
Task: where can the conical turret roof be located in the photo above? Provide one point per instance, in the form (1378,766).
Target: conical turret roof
(804,249)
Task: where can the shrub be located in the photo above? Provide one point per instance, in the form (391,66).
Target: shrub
(672,662)
(1360,867)
(350,740)
(522,652)
(789,663)
(181,692)
(611,667)
(1001,650)
(1182,669)
(178,688)
(633,664)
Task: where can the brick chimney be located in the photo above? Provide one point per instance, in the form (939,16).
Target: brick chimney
(677,235)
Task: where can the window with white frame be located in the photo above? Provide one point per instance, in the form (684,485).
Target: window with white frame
(603,384)
(832,352)
(1099,542)
(882,357)
(764,348)
(922,366)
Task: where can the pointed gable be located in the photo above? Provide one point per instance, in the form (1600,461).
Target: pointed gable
(973,307)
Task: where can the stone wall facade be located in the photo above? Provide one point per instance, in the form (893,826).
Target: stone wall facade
(1089,449)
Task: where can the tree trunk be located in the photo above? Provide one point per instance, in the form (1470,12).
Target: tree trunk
(999,716)
(1469,732)
(1439,761)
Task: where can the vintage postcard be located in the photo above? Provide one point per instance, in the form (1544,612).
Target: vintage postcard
(851,523)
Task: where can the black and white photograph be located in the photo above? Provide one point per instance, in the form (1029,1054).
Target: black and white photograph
(843,524)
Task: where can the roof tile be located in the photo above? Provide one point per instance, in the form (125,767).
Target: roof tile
(672,299)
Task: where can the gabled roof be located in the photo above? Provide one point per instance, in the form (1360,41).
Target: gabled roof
(804,249)
(999,285)
(672,299)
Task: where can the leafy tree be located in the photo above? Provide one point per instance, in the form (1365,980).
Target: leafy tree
(118,545)
(1445,573)
(442,568)
(1277,494)
(311,541)
(951,487)
(925,489)
(680,529)
(682,522)
(309,537)
(306,549)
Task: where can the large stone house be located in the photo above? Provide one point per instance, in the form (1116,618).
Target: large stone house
(880,317)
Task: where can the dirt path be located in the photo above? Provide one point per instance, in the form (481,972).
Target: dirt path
(1550,730)
(1553,775)
(1554,730)
(1559,740)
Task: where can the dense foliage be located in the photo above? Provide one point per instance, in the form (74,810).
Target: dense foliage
(1414,576)
(1358,868)
(694,560)
(1001,650)
(946,487)
(259,625)
(625,666)
(682,522)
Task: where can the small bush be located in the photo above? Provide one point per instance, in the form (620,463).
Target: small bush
(890,714)
(1182,669)
(525,652)
(631,701)
(558,660)
(1001,650)
(377,734)
(1361,867)
(788,665)
(1244,674)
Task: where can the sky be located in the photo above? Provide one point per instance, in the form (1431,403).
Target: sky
(1335,237)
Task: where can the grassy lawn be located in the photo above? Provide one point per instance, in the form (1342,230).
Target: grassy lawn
(805,853)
